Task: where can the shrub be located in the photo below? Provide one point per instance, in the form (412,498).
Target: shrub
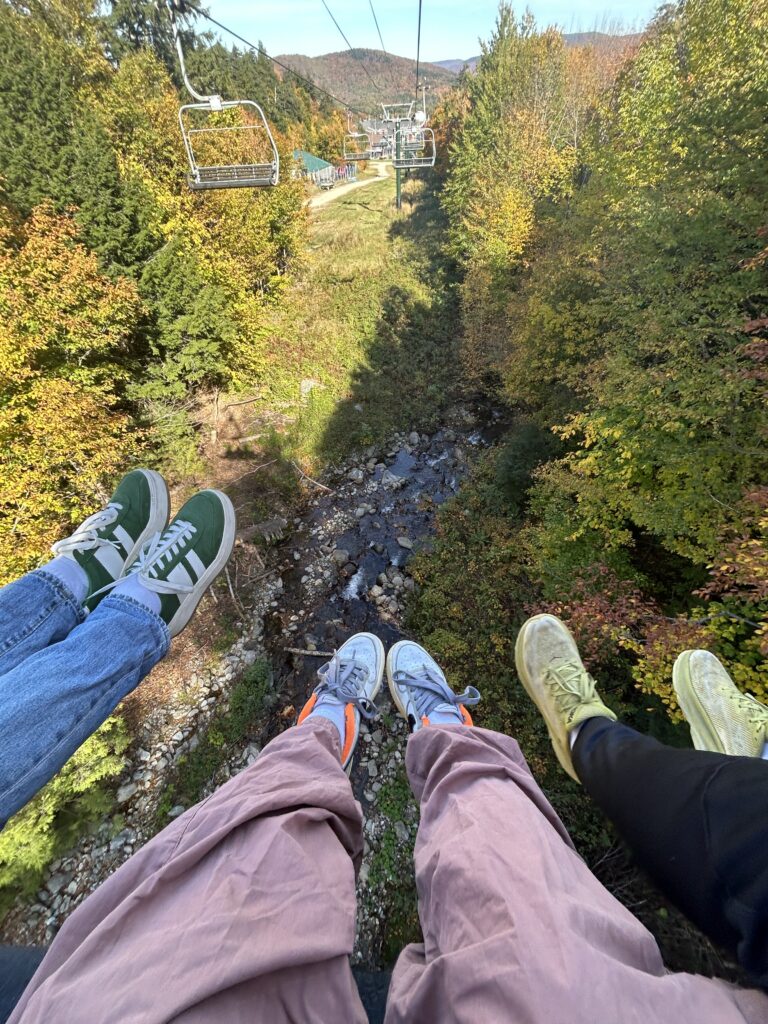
(51,821)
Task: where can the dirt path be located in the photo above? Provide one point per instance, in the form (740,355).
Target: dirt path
(342,190)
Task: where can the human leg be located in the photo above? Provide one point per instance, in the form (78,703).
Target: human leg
(57,697)
(41,608)
(244,907)
(515,925)
(696,821)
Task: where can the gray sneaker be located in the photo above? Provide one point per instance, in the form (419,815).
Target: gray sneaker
(419,688)
(351,679)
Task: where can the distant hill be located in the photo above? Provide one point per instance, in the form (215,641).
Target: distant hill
(344,74)
(455,66)
(600,40)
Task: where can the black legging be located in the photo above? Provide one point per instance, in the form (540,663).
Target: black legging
(697,822)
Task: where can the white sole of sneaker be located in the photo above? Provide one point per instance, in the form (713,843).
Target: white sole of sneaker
(189,604)
(397,697)
(703,733)
(554,725)
(347,765)
(161,507)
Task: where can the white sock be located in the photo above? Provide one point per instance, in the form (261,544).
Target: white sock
(764,755)
(132,586)
(334,713)
(573,734)
(72,575)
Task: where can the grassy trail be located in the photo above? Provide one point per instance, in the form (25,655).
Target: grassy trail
(365,342)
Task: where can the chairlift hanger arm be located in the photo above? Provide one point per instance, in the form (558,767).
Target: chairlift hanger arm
(213,101)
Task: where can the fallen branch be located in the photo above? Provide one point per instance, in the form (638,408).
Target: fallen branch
(245,401)
(250,471)
(304,476)
(309,654)
(235,601)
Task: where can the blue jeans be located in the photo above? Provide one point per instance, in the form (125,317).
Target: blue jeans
(61,675)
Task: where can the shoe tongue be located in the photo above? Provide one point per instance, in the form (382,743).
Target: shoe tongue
(446,709)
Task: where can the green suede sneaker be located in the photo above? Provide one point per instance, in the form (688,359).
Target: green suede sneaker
(107,542)
(554,677)
(721,717)
(180,563)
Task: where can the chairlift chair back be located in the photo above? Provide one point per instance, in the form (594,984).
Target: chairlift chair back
(357,146)
(416,148)
(211,140)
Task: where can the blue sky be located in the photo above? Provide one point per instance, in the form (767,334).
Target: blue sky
(450,28)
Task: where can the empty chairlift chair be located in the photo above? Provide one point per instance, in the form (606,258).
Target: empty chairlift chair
(357,146)
(414,147)
(228,142)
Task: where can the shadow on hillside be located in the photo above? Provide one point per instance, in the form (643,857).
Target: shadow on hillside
(410,373)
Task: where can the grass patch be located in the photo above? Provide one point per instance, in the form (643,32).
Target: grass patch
(249,702)
(369,328)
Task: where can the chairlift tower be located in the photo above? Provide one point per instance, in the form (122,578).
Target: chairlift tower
(397,114)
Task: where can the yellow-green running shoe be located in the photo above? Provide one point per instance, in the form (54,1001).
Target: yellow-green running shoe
(554,677)
(721,717)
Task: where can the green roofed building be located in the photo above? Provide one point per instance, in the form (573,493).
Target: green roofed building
(310,162)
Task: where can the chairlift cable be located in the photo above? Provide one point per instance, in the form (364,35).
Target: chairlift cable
(376,22)
(418,54)
(349,45)
(260,49)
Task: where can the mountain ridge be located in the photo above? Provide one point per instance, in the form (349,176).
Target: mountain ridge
(365,78)
(600,40)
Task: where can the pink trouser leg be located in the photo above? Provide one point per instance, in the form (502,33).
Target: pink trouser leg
(242,910)
(516,928)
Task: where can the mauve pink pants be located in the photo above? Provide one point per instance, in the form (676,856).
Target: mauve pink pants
(244,909)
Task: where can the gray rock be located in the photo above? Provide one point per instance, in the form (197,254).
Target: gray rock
(340,556)
(401,831)
(391,482)
(405,542)
(376,591)
(356,476)
(176,811)
(120,840)
(413,438)
(373,770)
(125,792)
(60,880)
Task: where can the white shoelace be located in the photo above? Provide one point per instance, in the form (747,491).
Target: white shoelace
(160,548)
(86,536)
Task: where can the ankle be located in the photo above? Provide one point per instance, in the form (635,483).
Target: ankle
(73,576)
(131,586)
